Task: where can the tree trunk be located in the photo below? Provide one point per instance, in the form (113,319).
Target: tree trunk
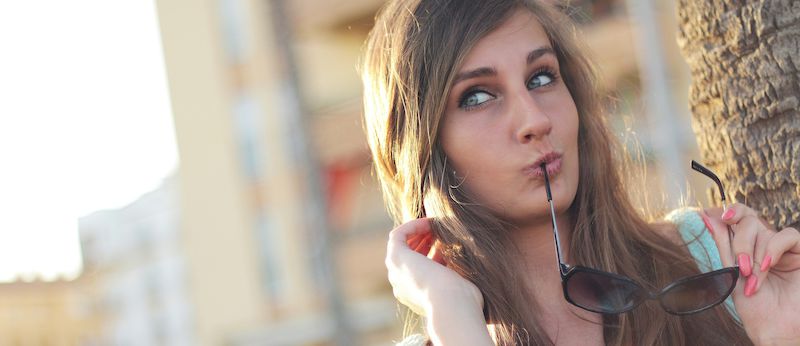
(744,56)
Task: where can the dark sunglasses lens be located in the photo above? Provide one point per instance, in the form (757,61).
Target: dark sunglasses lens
(602,292)
(699,293)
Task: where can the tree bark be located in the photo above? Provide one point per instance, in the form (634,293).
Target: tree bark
(744,57)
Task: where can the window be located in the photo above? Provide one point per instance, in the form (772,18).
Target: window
(272,277)
(233,24)
(248,126)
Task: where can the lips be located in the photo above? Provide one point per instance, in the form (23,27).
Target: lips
(552,163)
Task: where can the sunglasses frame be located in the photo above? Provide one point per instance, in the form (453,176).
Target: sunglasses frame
(567,271)
(572,270)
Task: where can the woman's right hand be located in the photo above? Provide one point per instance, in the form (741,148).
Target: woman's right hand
(419,274)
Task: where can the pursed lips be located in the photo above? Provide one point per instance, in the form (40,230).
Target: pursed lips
(552,163)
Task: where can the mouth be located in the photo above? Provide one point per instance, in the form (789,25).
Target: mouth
(550,161)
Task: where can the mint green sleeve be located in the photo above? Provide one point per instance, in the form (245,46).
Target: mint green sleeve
(700,244)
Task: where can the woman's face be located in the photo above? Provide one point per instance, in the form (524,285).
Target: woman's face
(507,111)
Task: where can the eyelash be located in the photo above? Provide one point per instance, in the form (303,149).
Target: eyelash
(471,91)
(546,71)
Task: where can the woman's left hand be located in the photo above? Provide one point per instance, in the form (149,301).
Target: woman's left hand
(767,296)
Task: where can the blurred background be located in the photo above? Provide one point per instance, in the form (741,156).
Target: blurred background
(182,172)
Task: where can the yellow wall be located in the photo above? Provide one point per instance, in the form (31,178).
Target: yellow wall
(45,313)
(221,263)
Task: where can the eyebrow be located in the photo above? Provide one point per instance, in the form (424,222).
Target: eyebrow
(488,71)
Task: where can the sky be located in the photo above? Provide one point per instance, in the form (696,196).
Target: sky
(85,124)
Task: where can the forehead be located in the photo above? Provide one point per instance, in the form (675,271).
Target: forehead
(517,36)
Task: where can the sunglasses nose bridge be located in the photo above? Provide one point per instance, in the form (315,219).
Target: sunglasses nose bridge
(650,295)
(643,295)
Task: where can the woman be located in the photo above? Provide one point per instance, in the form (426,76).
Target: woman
(469,107)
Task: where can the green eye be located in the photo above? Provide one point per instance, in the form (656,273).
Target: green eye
(539,80)
(475,99)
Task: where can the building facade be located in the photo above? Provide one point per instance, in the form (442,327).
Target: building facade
(47,313)
(133,257)
(244,186)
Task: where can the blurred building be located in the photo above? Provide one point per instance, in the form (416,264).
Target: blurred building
(249,253)
(133,257)
(46,313)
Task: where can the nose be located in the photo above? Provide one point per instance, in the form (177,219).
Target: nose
(531,121)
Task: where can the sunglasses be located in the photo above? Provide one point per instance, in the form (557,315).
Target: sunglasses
(607,293)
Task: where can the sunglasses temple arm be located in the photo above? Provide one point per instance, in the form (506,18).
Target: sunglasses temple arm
(553,217)
(558,242)
(708,173)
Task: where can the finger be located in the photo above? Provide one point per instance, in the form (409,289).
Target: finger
(787,241)
(413,241)
(776,246)
(399,235)
(758,276)
(436,253)
(744,242)
(719,231)
(425,251)
(759,252)
(398,239)
(736,212)
(425,244)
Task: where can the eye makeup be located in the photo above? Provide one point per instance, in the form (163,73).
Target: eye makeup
(476,96)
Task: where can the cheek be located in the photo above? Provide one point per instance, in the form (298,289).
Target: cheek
(469,144)
(475,161)
(562,107)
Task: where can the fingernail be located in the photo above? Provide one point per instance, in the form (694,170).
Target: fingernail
(766,262)
(728,214)
(750,286)
(744,264)
(708,224)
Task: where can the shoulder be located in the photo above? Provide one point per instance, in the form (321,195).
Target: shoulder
(667,230)
(688,223)
(694,219)
(674,224)
(694,228)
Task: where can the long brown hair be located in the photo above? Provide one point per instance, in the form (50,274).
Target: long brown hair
(409,63)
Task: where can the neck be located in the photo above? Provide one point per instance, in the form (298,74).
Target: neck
(536,242)
(537,249)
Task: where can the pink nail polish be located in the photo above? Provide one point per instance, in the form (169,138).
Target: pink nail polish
(744,264)
(728,214)
(708,224)
(766,262)
(750,286)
